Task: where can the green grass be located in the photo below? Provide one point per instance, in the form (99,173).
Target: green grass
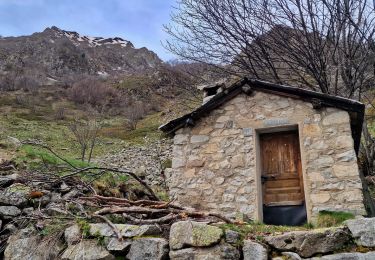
(258,230)
(20,122)
(332,218)
(35,156)
(145,127)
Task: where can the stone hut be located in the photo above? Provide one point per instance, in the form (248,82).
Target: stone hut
(269,152)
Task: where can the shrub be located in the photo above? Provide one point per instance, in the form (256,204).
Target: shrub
(91,91)
(133,114)
(60,113)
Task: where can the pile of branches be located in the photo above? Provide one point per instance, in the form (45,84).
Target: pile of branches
(143,211)
(147,211)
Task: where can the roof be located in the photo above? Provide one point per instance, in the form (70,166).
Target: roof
(355,109)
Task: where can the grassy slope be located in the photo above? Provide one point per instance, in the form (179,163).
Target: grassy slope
(34,118)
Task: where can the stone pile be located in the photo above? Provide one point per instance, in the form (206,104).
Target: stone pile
(146,160)
(25,198)
(194,240)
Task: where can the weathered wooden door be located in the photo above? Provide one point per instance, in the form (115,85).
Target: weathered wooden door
(282,183)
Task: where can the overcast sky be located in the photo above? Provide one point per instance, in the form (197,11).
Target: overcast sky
(139,21)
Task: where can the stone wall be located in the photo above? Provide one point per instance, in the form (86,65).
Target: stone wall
(214,164)
(194,240)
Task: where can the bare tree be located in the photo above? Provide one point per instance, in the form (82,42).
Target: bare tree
(85,133)
(325,46)
(133,113)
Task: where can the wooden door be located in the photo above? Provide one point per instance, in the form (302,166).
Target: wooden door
(281,169)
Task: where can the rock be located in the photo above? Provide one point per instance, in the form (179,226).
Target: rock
(87,250)
(72,235)
(28,211)
(254,251)
(55,197)
(14,141)
(363,230)
(347,256)
(15,195)
(148,249)
(141,172)
(71,194)
(190,233)
(198,139)
(55,209)
(9,228)
(308,243)
(232,237)
(291,256)
(340,117)
(180,139)
(6,180)
(218,252)
(9,212)
(116,246)
(105,230)
(64,188)
(19,247)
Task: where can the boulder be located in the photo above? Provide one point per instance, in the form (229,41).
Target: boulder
(72,235)
(6,180)
(105,230)
(363,230)
(347,256)
(116,246)
(88,250)
(309,243)
(148,249)
(218,252)
(254,251)
(15,195)
(26,246)
(190,233)
(9,212)
(232,237)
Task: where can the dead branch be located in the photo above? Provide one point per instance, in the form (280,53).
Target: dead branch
(125,202)
(127,172)
(168,218)
(150,211)
(115,229)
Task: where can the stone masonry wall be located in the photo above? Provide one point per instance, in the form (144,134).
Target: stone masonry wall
(214,164)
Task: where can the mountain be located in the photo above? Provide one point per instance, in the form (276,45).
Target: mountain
(57,53)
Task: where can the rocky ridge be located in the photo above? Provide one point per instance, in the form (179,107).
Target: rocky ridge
(56,53)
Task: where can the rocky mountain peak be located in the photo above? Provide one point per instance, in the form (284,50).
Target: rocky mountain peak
(79,39)
(59,52)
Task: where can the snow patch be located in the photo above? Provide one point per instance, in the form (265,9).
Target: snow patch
(78,39)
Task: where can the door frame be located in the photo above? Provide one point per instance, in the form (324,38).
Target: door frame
(258,165)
